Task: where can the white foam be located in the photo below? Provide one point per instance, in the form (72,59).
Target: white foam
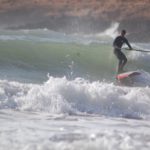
(21,130)
(59,96)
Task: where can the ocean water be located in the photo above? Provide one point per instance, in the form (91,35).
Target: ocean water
(58,91)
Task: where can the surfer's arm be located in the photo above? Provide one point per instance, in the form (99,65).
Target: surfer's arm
(126,41)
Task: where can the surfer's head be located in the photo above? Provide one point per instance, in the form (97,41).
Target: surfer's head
(123,32)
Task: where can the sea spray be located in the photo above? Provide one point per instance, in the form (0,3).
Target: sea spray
(60,96)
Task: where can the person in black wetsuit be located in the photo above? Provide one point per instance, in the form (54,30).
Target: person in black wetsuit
(117,44)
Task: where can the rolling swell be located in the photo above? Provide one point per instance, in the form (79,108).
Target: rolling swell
(31,55)
(58,59)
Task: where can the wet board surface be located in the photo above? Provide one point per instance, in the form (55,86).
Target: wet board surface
(129,74)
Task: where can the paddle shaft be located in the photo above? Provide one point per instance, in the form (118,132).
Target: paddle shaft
(136,50)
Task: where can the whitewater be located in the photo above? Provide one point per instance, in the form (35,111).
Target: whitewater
(58,91)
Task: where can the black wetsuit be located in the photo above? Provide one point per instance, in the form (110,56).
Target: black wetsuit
(118,43)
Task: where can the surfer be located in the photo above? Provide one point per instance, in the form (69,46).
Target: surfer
(117,44)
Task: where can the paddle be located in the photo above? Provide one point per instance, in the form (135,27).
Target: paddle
(136,50)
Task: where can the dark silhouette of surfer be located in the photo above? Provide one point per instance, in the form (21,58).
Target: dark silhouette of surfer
(117,44)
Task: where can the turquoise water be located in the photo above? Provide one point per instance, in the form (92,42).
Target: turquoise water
(32,55)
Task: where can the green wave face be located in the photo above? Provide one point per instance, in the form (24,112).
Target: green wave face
(33,55)
(59,59)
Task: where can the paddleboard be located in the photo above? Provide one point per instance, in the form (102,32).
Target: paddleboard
(126,75)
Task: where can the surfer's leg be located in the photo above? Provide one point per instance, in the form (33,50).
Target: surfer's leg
(124,61)
(120,57)
(119,70)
